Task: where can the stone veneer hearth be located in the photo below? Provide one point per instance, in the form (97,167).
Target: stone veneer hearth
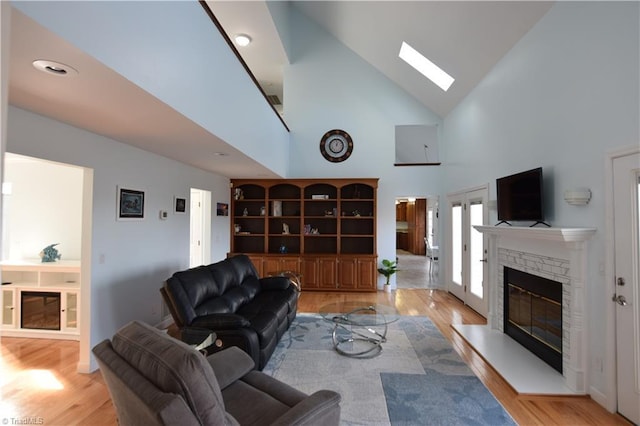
(558,254)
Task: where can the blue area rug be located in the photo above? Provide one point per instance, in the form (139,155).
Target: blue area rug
(418,379)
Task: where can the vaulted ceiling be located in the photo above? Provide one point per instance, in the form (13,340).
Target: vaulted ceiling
(466,39)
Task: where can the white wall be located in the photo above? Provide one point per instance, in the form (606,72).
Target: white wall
(44,207)
(327,87)
(130,260)
(173,50)
(563,97)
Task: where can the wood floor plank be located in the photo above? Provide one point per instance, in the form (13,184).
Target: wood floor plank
(38,377)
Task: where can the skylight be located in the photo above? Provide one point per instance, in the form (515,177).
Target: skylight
(425,66)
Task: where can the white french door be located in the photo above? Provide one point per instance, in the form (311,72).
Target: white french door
(467,269)
(626,207)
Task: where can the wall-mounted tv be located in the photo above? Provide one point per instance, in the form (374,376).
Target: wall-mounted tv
(520,197)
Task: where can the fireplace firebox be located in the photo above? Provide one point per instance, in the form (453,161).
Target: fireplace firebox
(533,314)
(40,310)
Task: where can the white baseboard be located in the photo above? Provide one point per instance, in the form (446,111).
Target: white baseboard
(602,399)
(84,368)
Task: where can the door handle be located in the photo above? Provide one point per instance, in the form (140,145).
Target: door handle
(483,260)
(620,300)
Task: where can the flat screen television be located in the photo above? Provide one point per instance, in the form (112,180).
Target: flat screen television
(520,197)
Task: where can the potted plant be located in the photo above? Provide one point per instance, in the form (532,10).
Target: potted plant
(389,267)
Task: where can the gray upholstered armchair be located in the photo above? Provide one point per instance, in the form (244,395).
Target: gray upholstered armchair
(155,379)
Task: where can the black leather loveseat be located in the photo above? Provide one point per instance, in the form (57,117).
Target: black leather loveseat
(229,298)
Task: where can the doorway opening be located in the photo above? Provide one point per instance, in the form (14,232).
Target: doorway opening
(416,238)
(67,200)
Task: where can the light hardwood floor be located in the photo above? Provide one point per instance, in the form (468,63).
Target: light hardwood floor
(38,378)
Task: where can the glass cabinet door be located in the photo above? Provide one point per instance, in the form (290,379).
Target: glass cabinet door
(8,308)
(70,318)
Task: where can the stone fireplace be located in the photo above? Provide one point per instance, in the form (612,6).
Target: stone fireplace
(559,256)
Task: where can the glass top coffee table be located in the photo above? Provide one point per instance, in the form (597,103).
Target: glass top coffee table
(360,328)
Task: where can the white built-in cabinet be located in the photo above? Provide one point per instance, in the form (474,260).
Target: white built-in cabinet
(55,278)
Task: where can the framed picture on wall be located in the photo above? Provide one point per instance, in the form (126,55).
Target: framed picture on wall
(222,209)
(130,204)
(179,205)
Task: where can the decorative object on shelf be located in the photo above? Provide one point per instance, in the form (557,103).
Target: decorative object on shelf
(389,267)
(263,211)
(328,212)
(222,209)
(238,194)
(276,208)
(285,229)
(245,212)
(237,228)
(50,253)
(319,197)
(315,231)
(356,213)
(283,249)
(179,205)
(336,145)
(578,196)
(307,229)
(130,204)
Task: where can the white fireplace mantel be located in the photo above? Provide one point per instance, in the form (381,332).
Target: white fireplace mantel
(550,234)
(556,253)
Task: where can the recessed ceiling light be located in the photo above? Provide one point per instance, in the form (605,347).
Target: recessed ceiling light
(220,154)
(425,66)
(243,40)
(55,68)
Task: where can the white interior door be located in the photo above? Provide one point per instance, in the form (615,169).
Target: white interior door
(626,205)
(196,257)
(468,254)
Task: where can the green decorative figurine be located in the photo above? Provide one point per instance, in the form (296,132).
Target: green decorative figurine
(50,253)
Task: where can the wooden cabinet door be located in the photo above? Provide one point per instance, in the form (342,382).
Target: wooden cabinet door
(401,212)
(310,274)
(367,277)
(328,273)
(319,273)
(290,264)
(347,274)
(275,264)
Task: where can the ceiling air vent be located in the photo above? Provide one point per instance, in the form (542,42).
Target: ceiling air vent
(274,100)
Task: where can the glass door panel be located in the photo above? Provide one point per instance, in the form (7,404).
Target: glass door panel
(477,250)
(456,244)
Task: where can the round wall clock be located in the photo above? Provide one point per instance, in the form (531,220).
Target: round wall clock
(336,145)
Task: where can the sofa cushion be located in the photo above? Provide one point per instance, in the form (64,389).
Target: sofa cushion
(174,367)
(221,321)
(188,289)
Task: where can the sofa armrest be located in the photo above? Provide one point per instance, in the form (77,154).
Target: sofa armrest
(195,335)
(230,364)
(321,407)
(274,283)
(221,322)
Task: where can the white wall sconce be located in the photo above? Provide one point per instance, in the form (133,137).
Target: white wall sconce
(578,196)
